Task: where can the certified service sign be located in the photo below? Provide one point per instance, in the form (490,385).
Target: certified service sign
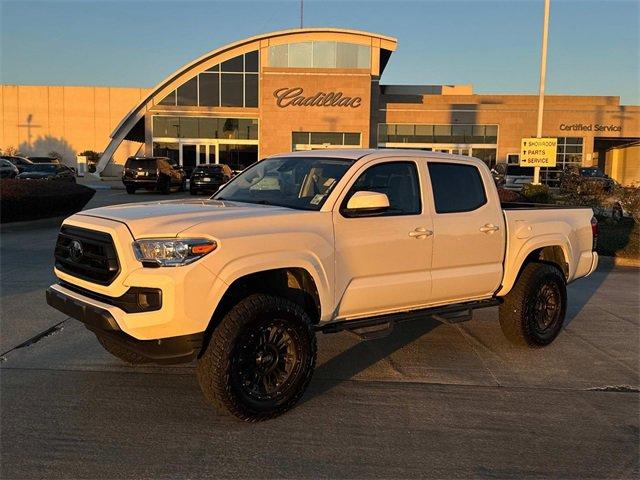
(538,152)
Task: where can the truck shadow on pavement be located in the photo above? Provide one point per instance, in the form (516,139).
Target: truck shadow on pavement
(579,294)
(349,363)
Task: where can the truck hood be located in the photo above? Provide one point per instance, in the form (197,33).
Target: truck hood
(169,218)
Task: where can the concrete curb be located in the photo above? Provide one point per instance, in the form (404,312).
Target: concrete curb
(619,261)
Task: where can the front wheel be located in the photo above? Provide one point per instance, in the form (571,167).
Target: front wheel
(532,313)
(260,358)
(130,189)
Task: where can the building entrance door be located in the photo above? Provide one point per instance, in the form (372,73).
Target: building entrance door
(192,154)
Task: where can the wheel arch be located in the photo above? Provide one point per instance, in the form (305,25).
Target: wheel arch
(296,283)
(553,252)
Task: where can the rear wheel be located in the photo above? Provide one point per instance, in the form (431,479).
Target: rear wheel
(260,358)
(130,189)
(533,311)
(123,354)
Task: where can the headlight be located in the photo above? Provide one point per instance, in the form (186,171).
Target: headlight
(172,252)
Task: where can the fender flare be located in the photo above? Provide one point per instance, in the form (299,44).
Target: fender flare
(261,262)
(512,268)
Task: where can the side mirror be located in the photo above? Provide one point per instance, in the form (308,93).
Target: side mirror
(365,201)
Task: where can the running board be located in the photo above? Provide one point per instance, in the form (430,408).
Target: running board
(382,325)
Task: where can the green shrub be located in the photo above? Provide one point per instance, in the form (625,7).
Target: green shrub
(22,200)
(536,193)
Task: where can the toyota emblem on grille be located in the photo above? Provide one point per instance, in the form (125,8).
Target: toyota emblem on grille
(75,250)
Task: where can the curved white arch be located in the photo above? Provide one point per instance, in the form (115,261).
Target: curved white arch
(137,113)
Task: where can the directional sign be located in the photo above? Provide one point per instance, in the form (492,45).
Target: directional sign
(538,152)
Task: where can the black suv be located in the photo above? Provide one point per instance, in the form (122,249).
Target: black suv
(153,173)
(208,178)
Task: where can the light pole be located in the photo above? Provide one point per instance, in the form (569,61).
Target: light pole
(543,74)
(301,13)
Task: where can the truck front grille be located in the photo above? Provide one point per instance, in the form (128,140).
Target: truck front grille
(86,254)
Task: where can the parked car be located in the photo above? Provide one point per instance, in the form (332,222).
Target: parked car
(48,171)
(20,162)
(318,241)
(516,176)
(209,178)
(153,173)
(8,169)
(598,177)
(44,160)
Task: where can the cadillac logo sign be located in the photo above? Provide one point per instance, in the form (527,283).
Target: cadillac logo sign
(295,97)
(75,250)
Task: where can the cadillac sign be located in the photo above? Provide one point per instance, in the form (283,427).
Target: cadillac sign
(294,97)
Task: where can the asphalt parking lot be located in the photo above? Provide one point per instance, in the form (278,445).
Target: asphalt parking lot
(431,400)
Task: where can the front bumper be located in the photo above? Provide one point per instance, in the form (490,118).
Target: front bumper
(99,318)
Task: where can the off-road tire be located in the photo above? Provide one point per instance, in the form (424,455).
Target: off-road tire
(123,354)
(217,369)
(519,318)
(130,189)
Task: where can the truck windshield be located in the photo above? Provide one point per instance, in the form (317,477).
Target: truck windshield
(294,182)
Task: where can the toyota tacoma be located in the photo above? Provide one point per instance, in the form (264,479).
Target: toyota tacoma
(307,242)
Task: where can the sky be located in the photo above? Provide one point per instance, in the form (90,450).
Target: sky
(594,46)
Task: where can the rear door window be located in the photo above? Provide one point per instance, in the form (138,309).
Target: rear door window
(456,188)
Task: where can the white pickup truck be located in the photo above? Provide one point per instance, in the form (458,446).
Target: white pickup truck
(320,241)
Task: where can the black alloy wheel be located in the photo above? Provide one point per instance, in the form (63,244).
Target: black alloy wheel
(266,361)
(260,358)
(533,312)
(546,309)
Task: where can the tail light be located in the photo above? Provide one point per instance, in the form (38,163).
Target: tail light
(594,231)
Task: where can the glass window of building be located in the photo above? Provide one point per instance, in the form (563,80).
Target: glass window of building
(165,149)
(442,133)
(169,99)
(187,93)
(569,154)
(205,127)
(233,83)
(434,134)
(251,90)
(235,64)
(301,55)
(238,157)
(232,89)
(324,54)
(487,155)
(279,56)
(320,54)
(251,62)
(350,55)
(315,140)
(166,126)
(491,134)
(209,89)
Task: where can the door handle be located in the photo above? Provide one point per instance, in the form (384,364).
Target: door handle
(489,228)
(420,233)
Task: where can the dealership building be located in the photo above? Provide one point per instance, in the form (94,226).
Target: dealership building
(315,88)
